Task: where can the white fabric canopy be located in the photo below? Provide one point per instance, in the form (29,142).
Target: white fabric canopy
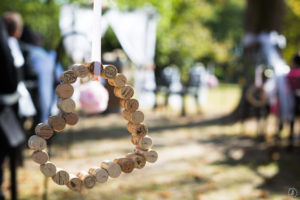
(135,30)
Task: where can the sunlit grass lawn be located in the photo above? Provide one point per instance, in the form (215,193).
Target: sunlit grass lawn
(195,162)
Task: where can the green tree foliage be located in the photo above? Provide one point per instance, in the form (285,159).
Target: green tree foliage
(291,28)
(41,15)
(189,30)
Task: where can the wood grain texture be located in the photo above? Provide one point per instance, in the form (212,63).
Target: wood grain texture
(70,118)
(119,81)
(139,160)
(36,142)
(126,164)
(66,105)
(44,131)
(100,174)
(57,123)
(113,169)
(81,70)
(61,177)
(88,180)
(108,71)
(143,143)
(135,117)
(150,155)
(68,77)
(125,92)
(74,183)
(64,90)
(40,157)
(140,130)
(48,169)
(129,104)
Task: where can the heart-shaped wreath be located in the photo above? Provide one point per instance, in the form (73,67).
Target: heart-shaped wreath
(108,168)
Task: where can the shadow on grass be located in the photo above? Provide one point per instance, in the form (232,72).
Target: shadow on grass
(246,151)
(116,132)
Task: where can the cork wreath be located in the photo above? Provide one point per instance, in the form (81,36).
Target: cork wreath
(141,154)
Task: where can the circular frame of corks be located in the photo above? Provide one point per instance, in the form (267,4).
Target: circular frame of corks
(141,154)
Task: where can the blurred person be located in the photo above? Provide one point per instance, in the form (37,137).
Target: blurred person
(41,66)
(293,76)
(11,59)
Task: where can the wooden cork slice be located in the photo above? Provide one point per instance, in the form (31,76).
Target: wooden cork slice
(119,81)
(81,71)
(74,183)
(44,131)
(48,169)
(37,143)
(66,105)
(108,71)
(57,123)
(150,155)
(70,118)
(68,77)
(64,90)
(143,143)
(40,157)
(61,177)
(113,169)
(88,180)
(100,174)
(139,161)
(140,130)
(126,164)
(125,92)
(135,117)
(130,104)
(95,68)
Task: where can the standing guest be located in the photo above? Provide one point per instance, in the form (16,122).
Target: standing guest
(11,61)
(293,76)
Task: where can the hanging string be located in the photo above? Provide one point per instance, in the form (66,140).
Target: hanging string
(96,41)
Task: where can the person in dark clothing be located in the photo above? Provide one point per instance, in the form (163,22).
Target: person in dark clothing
(11,133)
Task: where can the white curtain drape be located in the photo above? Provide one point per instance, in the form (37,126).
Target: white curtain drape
(136,32)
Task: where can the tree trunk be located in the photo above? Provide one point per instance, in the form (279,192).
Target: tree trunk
(261,16)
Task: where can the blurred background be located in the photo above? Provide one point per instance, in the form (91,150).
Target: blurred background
(218,81)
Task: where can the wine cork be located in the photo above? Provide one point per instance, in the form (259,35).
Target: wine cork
(150,155)
(119,81)
(143,143)
(125,92)
(108,71)
(40,157)
(130,104)
(64,90)
(74,183)
(126,164)
(37,143)
(95,68)
(113,169)
(57,123)
(70,118)
(68,77)
(100,174)
(139,161)
(88,180)
(135,117)
(81,71)
(48,169)
(140,130)
(66,105)
(43,130)
(61,177)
